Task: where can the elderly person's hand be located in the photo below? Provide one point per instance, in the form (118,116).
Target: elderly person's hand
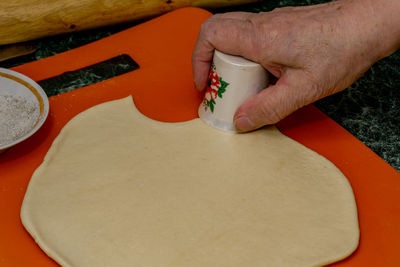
(313,51)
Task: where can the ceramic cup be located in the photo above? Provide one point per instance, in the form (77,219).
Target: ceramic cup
(232,80)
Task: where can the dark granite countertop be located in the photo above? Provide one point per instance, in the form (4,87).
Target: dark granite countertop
(369,109)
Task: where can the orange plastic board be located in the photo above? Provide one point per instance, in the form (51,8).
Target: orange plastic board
(163,90)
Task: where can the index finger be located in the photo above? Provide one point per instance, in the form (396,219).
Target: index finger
(229,33)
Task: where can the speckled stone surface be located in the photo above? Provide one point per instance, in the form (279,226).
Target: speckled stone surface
(369,109)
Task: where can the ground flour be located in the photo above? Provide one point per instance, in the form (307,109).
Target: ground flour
(17,116)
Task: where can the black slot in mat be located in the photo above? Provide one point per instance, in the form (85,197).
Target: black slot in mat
(95,73)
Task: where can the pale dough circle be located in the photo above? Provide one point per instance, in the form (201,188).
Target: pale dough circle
(119,189)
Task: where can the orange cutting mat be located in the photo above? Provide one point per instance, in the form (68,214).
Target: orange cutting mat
(163,90)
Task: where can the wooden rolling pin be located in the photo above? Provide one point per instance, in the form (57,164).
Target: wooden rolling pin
(23,20)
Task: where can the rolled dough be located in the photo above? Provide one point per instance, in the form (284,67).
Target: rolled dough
(119,189)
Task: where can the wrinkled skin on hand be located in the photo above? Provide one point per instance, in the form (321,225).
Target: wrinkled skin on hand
(313,51)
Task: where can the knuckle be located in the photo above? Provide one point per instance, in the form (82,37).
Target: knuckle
(265,34)
(217,16)
(206,27)
(203,28)
(254,29)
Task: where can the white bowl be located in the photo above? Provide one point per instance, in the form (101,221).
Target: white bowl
(16,84)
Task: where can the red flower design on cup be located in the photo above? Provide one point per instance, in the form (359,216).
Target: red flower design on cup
(215,88)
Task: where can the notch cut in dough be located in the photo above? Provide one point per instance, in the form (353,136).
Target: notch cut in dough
(119,189)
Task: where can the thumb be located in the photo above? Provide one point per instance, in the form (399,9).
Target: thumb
(271,105)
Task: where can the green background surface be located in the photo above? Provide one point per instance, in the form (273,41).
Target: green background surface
(369,108)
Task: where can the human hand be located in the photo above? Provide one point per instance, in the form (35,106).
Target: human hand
(313,51)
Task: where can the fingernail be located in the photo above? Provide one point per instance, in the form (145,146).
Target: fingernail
(244,124)
(198,88)
(195,86)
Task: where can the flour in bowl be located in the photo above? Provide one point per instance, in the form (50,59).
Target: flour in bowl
(17,117)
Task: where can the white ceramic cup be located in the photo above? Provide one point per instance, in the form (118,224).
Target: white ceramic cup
(232,80)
